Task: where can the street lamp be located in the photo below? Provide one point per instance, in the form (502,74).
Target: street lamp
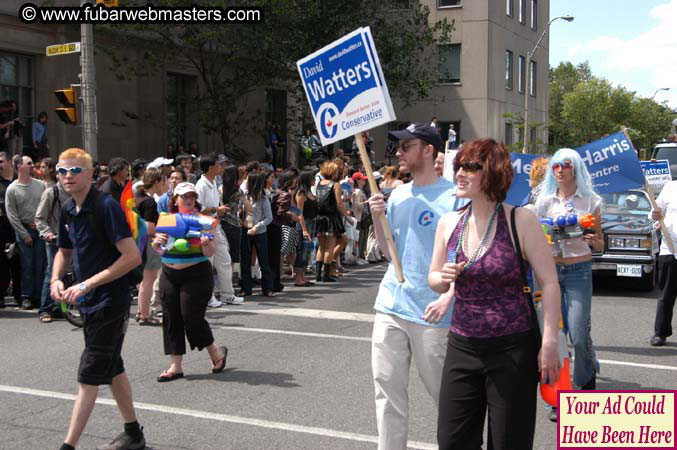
(526,83)
(659,89)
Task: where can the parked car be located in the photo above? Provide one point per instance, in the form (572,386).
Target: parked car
(630,239)
(667,150)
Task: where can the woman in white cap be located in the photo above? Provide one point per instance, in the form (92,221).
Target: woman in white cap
(186,285)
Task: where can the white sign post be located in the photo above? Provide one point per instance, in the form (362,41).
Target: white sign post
(348,95)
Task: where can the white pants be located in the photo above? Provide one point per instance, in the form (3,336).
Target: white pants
(394,341)
(221,263)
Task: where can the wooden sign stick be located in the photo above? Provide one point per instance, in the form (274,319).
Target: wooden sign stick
(647,187)
(381,217)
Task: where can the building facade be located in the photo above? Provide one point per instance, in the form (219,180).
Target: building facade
(483,77)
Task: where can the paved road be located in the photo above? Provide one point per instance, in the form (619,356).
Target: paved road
(298,374)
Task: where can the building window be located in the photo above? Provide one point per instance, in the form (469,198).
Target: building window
(400,5)
(532,136)
(532,78)
(522,73)
(522,13)
(509,8)
(449,65)
(443,3)
(16,83)
(180,122)
(508,69)
(520,135)
(534,14)
(508,134)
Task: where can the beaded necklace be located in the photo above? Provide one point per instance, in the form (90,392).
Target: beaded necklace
(479,251)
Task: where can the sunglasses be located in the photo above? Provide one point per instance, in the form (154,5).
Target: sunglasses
(73,170)
(405,147)
(563,166)
(468,167)
(188,196)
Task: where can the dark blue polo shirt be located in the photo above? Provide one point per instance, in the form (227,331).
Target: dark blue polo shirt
(94,250)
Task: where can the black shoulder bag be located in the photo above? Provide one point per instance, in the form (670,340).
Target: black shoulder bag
(526,289)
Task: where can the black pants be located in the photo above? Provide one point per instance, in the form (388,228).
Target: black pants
(10,269)
(499,373)
(260,243)
(185,294)
(274,246)
(233,237)
(667,285)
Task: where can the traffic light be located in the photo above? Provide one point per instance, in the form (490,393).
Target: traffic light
(108,3)
(68,99)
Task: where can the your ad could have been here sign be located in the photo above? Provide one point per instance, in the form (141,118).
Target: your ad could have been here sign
(345,87)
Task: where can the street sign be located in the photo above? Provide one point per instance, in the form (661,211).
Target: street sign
(62,49)
(345,87)
(657,173)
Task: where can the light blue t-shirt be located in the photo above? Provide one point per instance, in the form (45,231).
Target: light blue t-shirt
(413,213)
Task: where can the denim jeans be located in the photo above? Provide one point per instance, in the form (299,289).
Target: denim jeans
(47,305)
(575,282)
(33,260)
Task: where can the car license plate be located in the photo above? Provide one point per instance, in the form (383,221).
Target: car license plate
(628,270)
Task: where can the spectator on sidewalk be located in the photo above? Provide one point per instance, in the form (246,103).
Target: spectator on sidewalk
(22,199)
(10,265)
(39,136)
(118,168)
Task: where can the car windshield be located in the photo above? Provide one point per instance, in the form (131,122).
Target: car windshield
(628,202)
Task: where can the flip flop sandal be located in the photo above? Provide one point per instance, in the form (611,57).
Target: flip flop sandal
(169,377)
(149,321)
(45,318)
(218,368)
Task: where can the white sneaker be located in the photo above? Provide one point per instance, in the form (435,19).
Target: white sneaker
(214,303)
(235,300)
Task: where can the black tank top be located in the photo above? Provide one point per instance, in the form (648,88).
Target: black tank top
(326,200)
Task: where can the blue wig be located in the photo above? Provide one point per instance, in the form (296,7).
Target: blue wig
(548,186)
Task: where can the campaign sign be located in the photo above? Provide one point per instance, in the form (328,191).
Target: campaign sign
(345,87)
(657,173)
(612,163)
(519,189)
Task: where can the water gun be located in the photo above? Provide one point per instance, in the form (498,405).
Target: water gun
(566,227)
(181,228)
(549,391)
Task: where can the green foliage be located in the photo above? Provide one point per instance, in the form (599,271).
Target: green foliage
(584,108)
(517,121)
(233,61)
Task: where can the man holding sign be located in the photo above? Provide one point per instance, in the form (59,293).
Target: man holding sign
(411,319)
(667,264)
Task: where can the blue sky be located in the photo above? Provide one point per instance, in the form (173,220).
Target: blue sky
(632,43)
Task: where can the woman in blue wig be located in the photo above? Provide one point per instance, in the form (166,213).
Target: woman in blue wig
(566,191)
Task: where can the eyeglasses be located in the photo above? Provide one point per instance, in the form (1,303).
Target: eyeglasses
(405,147)
(468,167)
(73,170)
(188,196)
(564,166)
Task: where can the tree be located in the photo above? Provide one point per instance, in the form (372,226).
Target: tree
(233,61)
(563,79)
(650,121)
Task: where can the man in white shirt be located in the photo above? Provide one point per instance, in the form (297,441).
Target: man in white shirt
(667,264)
(210,199)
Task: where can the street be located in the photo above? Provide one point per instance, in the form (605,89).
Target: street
(298,373)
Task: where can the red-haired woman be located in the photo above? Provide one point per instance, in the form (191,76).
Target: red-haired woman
(492,355)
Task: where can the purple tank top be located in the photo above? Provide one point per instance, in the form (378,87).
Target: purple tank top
(490,301)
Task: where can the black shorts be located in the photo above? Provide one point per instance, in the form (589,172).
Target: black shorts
(104,330)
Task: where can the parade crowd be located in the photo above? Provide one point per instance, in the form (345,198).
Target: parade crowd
(462,250)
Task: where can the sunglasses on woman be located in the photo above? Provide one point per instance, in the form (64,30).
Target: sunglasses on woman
(73,170)
(564,166)
(468,167)
(188,196)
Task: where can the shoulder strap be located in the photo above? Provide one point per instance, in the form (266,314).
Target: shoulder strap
(523,270)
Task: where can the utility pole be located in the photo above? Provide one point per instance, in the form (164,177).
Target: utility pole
(88,81)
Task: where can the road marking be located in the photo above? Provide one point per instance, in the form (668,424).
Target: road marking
(368,339)
(292,333)
(327,432)
(309,313)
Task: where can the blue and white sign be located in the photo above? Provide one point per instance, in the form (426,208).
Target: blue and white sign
(519,189)
(345,87)
(657,173)
(612,163)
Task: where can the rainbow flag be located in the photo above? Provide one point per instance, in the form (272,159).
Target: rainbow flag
(136,224)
